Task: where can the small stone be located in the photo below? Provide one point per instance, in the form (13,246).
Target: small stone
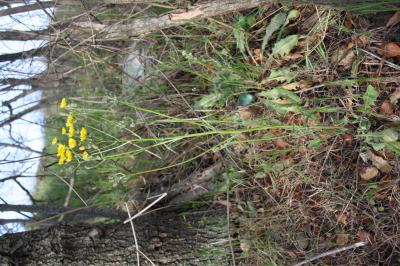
(369,173)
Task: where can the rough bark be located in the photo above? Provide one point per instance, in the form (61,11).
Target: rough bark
(50,209)
(26,8)
(165,238)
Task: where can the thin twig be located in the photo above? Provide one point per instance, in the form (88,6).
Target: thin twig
(145,209)
(332,252)
(380,58)
(69,194)
(134,235)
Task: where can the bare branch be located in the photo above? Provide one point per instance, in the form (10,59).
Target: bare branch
(26,8)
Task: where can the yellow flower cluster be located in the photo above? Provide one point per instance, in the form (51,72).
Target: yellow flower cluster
(65,153)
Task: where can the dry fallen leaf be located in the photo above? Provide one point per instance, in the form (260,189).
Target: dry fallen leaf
(298,85)
(364,236)
(379,196)
(395,96)
(225,203)
(347,139)
(379,162)
(246,113)
(281,144)
(342,239)
(344,56)
(257,55)
(361,40)
(391,49)
(386,108)
(369,173)
(342,218)
(393,19)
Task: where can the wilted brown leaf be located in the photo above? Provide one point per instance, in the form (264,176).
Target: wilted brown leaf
(369,173)
(342,239)
(386,108)
(391,49)
(379,162)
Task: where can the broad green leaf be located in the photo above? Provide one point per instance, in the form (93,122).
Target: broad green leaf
(293,14)
(281,100)
(278,93)
(251,20)
(239,34)
(276,22)
(370,97)
(377,146)
(281,74)
(393,147)
(208,101)
(285,45)
(316,143)
(390,135)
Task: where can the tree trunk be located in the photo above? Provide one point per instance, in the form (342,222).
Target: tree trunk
(165,238)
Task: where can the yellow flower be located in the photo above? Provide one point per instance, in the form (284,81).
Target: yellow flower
(69,155)
(63,103)
(63,131)
(83,134)
(71,131)
(70,120)
(85,155)
(61,161)
(61,150)
(82,148)
(72,143)
(54,141)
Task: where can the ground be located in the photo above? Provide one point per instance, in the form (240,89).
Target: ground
(299,102)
